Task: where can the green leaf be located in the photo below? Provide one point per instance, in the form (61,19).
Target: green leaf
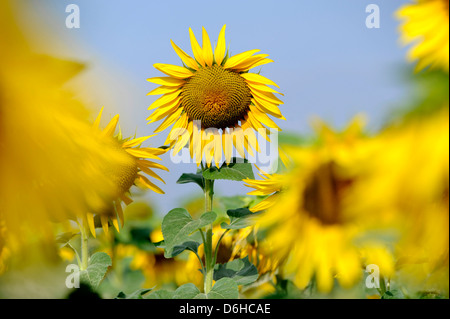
(187,291)
(97,267)
(160,294)
(177,225)
(393,294)
(192,178)
(239,218)
(64,238)
(242,271)
(234,171)
(224,288)
(189,245)
(138,294)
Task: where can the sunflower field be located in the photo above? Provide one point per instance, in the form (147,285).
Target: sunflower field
(220,183)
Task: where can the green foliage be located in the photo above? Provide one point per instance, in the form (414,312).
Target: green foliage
(138,294)
(393,294)
(242,271)
(429,93)
(189,245)
(236,171)
(224,288)
(239,218)
(177,225)
(192,178)
(96,270)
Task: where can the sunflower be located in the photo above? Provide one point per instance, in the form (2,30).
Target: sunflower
(214,102)
(408,179)
(51,161)
(130,171)
(426,24)
(309,231)
(270,186)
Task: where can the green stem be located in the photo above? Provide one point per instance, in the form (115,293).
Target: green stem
(84,247)
(209,260)
(382,290)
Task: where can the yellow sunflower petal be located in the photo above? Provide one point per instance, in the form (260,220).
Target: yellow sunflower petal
(268,107)
(163,90)
(146,163)
(104,221)
(249,62)
(196,49)
(111,127)
(119,211)
(263,118)
(127,200)
(167,100)
(151,173)
(219,53)
(181,142)
(250,135)
(145,181)
(190,62)
(262,88)
(175,71)
(166,81)
(115,223)
(91,224)
(227,142)
(255,64)
(178,129)
(142,153)
(136,141)
(238,140)
(169,120)
(265,204)
(261,129)
(98,119)
(207,48)
(266,96)
(217,147)
(238,58)
(257,78)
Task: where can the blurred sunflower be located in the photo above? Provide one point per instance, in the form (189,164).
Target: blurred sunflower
(270,186)
(129,172)
(213,101)
(236,245)
(156,269)
(426,24)
(411,167)
(51,159)
(310,234)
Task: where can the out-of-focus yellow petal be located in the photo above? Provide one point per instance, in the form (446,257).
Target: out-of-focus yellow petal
(111,127)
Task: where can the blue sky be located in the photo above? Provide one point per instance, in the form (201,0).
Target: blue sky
(327,63)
